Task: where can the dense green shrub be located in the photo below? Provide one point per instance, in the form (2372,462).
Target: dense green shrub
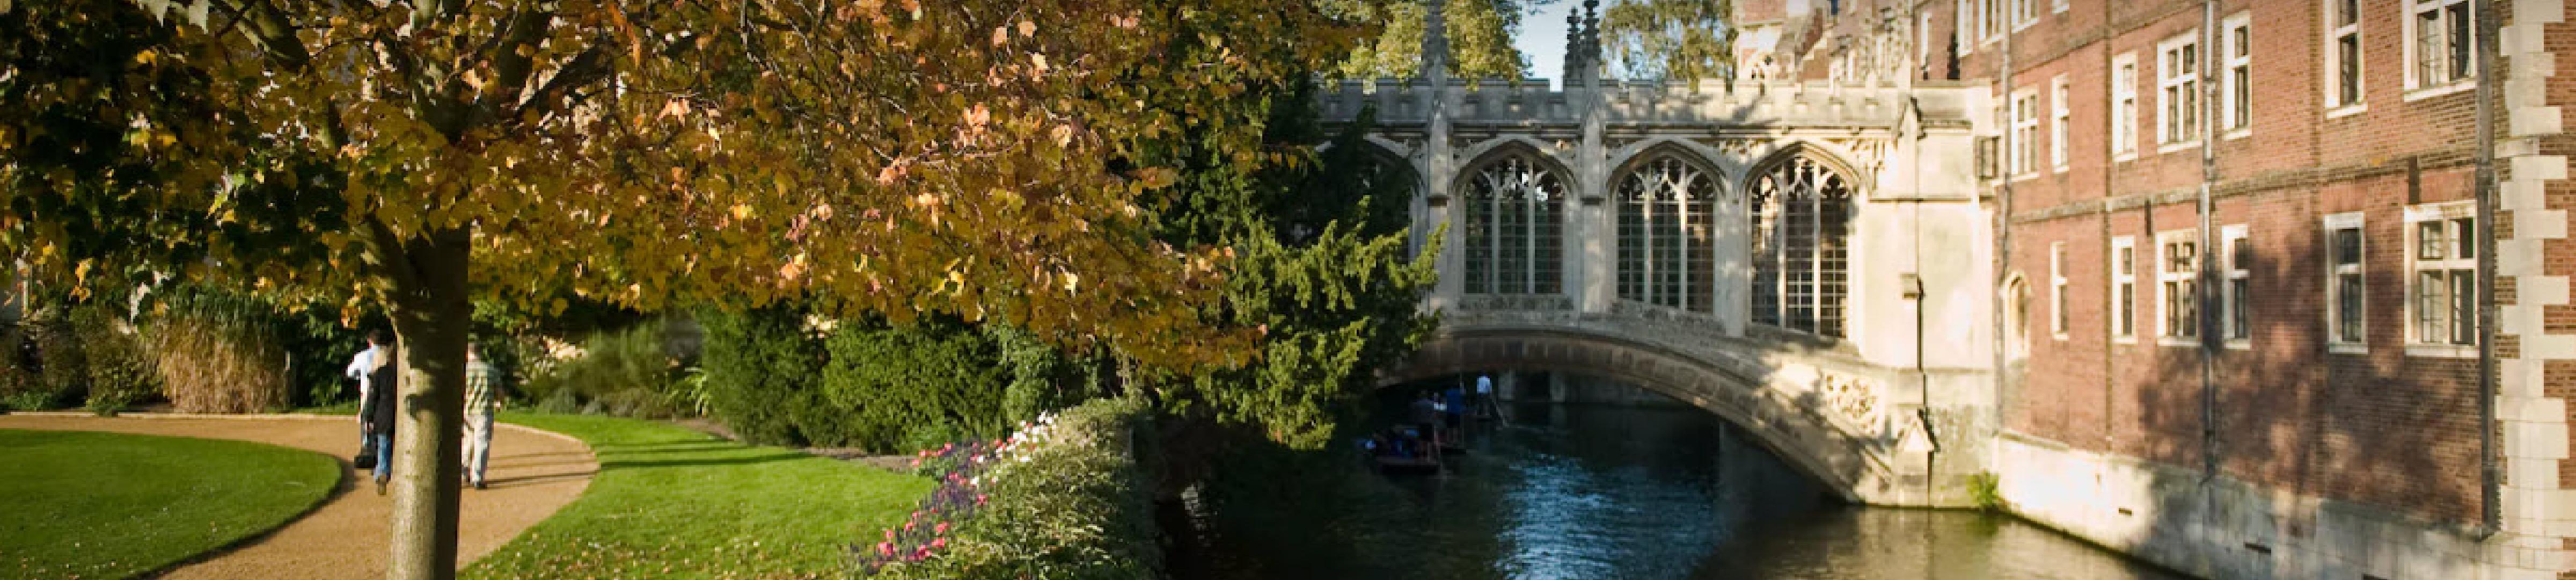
(1064,499)
(625,373)
(21,387)
(1042,377)
(762,371)
(116,372)
(61,373)
(901,387)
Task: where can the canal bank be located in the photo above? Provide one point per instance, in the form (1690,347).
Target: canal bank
(1601,490)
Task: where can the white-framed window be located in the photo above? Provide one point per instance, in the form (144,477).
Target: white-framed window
(2059,119)
(2025,13)
(2124,105)
(2058,6)
(2442,286)
(2024,158)
(2236,298)
(2343,55)
(1994,19)
(2124,288)
(2057,290)
(2237,104)
(1923,49)
(2347,293)
(2439,43)
(1965,33)
(2178,90)
(2177,294)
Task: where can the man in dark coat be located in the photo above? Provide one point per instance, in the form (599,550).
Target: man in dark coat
(376,410)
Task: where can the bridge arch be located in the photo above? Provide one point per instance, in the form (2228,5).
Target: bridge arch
(1847,459)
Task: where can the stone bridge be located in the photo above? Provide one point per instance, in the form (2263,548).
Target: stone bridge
(1809,260)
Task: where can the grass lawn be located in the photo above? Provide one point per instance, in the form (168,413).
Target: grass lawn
(669,502)
(106,505)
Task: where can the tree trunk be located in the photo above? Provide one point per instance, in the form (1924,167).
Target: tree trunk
(431,317)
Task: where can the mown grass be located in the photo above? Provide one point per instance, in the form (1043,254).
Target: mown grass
(106,505)
(669,502)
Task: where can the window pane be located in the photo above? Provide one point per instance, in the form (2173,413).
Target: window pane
(2464,307)
(2190,310)
(2348,307)
(2432,304)
(2429,52)
(1480,240)
(2459,41)
(2238,296)
(2429,240)
(2243,89)
(2347,247)
(2128,309)
(2348,61)
(2240,254)
(1632,249)
(2464,231)
(2057,306)
(2346,11)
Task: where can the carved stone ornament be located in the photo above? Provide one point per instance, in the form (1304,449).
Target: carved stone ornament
(1853,398)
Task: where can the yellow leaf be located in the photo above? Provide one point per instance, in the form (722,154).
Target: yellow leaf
(741,211)
(146,57)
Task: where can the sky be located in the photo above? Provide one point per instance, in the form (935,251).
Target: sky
(1542,39)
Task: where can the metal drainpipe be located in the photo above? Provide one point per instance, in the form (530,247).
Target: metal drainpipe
(2202,264)
(2000,303)
(2490,476)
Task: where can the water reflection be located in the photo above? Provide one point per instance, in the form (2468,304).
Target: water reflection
(1595,492)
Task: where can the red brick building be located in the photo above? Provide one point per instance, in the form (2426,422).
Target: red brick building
(2241,249)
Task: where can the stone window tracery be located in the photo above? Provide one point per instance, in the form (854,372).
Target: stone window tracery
(1801,235)
(1665,246)
(1515,223)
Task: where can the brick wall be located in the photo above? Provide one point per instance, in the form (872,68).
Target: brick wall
(2379,427)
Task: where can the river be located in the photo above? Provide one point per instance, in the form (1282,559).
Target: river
(1598,491)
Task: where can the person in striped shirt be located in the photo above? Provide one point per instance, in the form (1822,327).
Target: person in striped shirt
(480,404)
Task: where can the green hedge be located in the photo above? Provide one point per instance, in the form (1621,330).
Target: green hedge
(762,372)
(906,388)
(1065,499)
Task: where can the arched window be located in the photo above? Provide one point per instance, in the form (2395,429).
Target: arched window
(1801,246)
(1514,222)
(1664,245)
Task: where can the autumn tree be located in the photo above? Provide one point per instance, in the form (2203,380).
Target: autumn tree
(1670,39)
(1479,33)
(983,158)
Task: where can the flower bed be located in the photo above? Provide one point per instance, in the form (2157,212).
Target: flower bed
(1061,498)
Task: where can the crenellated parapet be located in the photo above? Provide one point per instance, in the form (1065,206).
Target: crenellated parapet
(1404,105)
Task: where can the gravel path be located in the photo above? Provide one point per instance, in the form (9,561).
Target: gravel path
(532,474)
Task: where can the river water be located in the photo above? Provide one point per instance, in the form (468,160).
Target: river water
(1591,491)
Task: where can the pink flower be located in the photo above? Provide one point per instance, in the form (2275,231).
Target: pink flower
(979,499)
(939,542)
(909,526)
(889,534)
(886,548)
(942,528)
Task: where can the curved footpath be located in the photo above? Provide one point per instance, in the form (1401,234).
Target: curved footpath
(533,473)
